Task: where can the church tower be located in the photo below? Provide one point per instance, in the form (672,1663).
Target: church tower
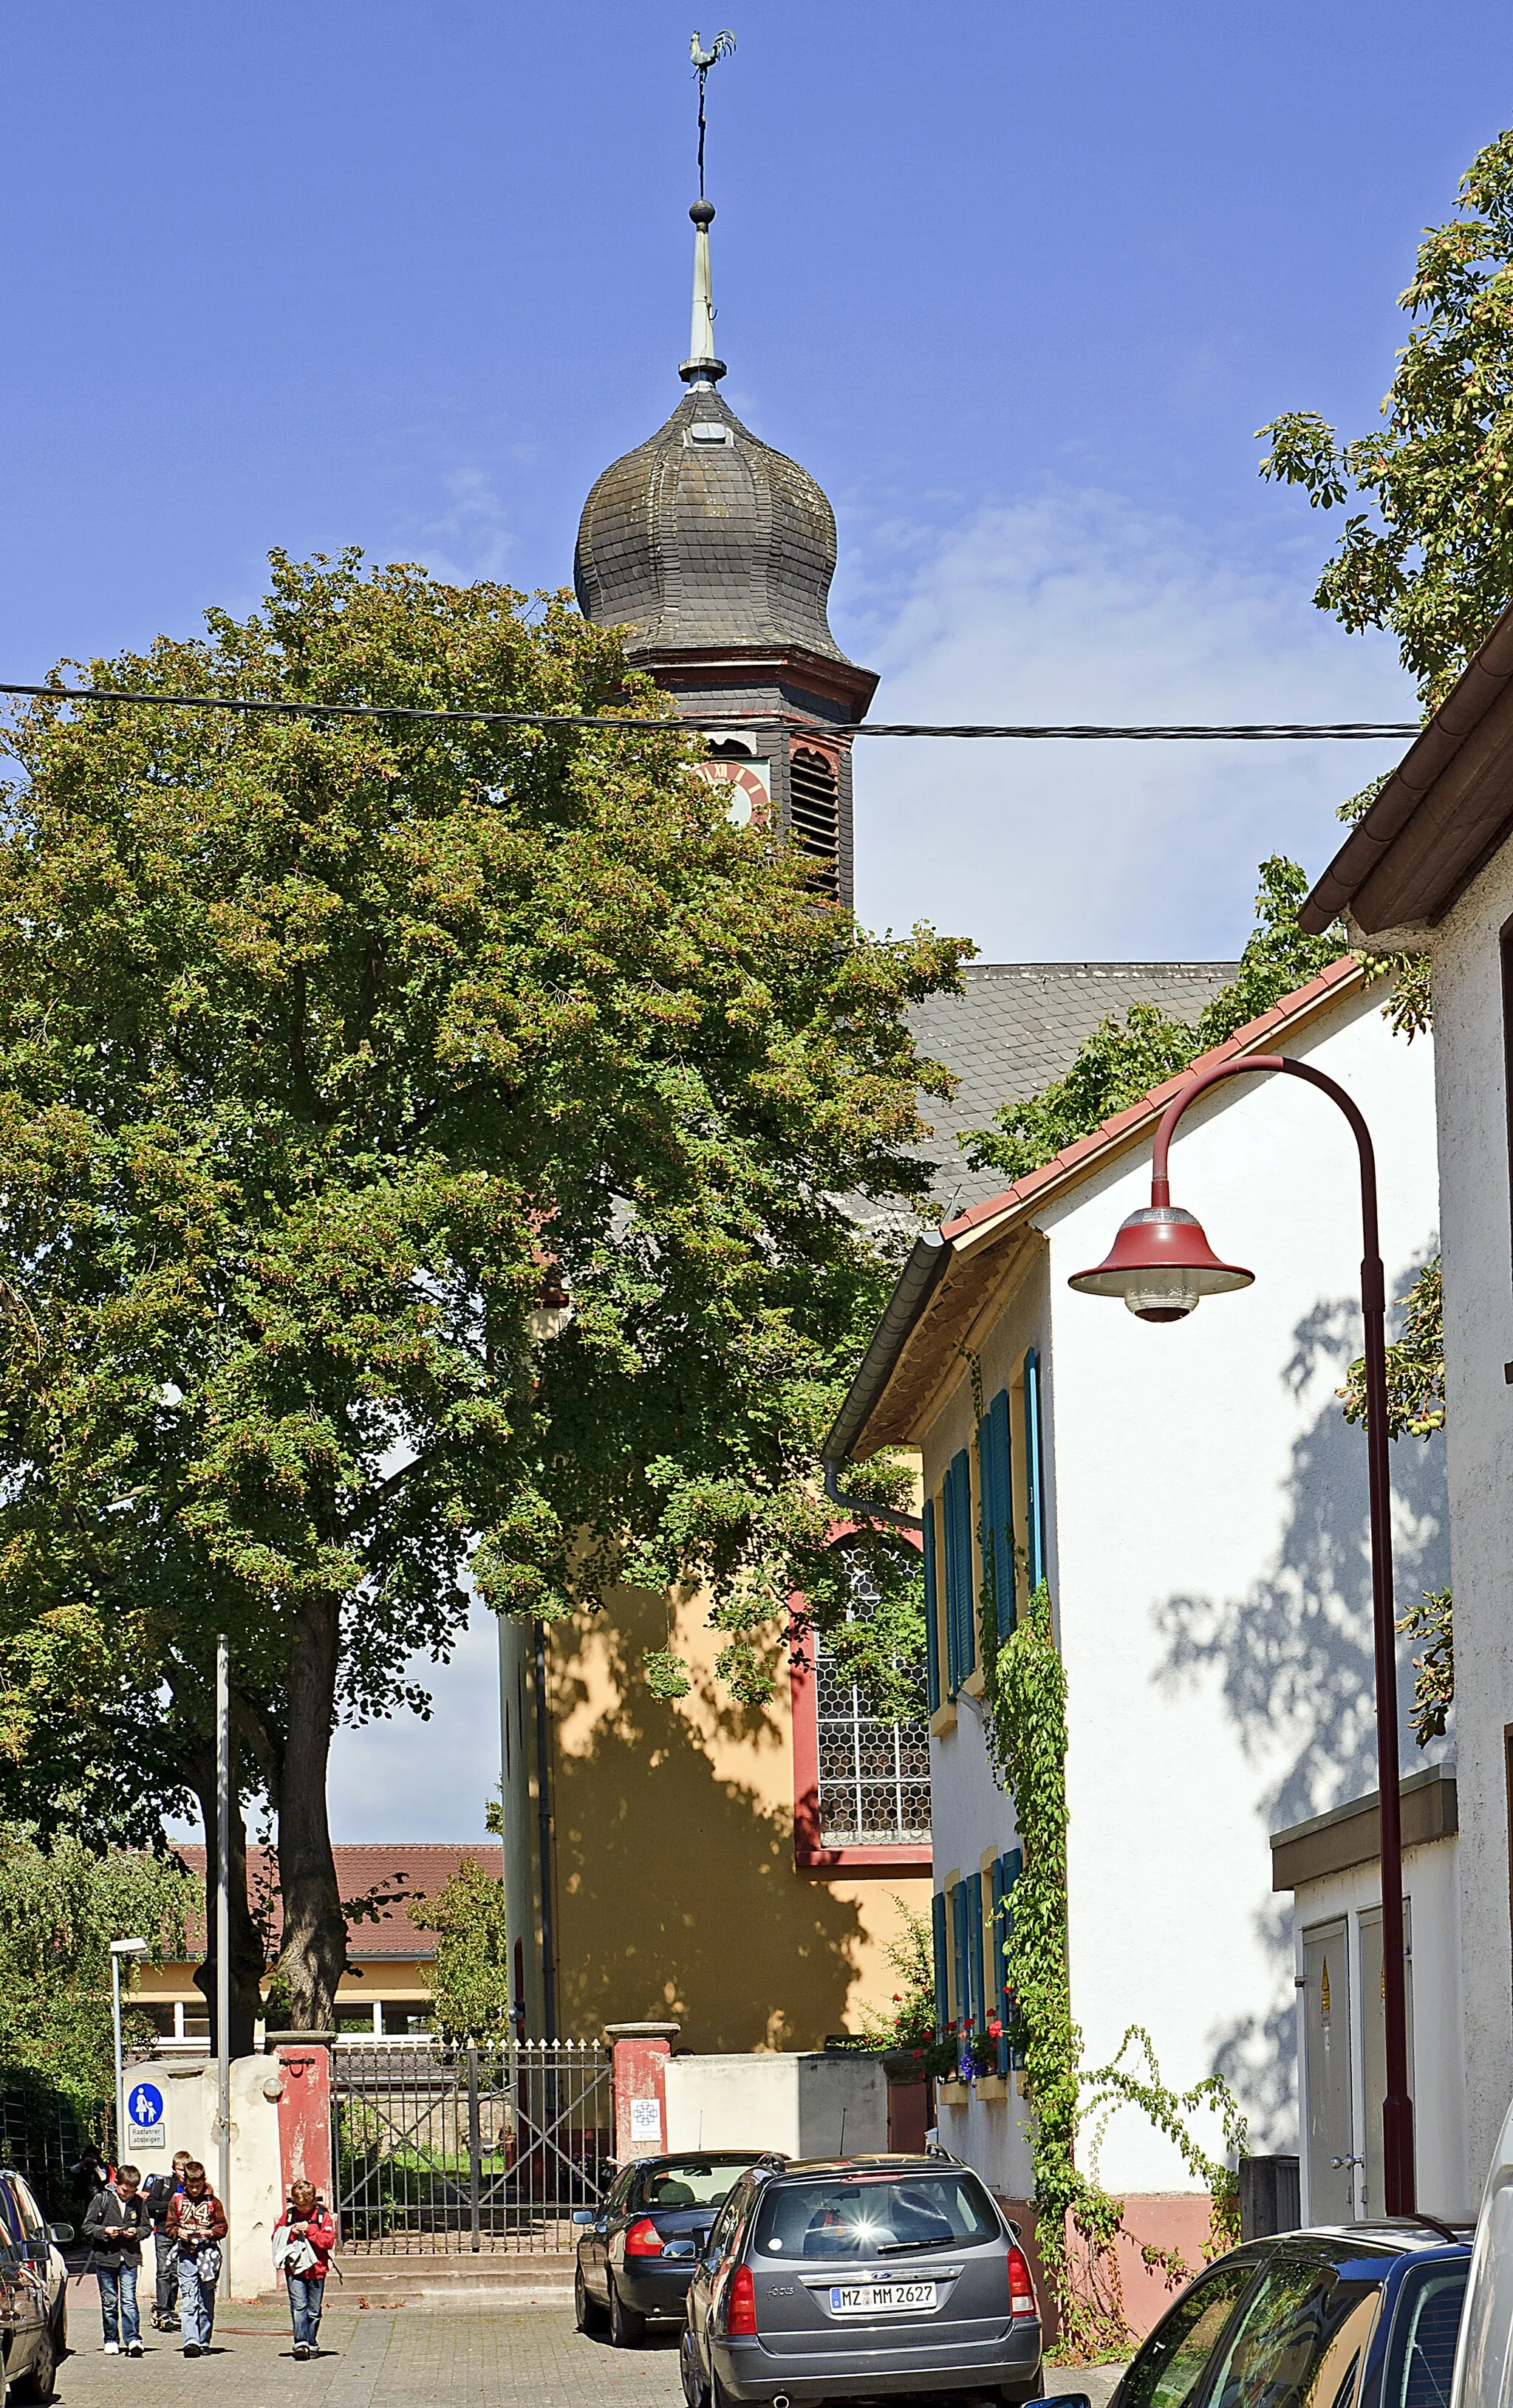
(716,556)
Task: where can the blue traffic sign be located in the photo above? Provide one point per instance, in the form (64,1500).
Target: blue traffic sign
(145,2105)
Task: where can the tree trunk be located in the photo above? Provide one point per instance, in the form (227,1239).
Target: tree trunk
(246,1941)
(314,1954)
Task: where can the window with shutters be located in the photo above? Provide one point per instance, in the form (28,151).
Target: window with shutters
(815,815)
(874,1776)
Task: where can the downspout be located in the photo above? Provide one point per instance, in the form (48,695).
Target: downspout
(543,1834)
(863,1507)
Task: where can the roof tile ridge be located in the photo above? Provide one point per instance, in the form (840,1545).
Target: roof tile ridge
(1155,1100)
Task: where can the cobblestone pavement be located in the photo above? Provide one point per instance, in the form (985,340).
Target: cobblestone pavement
(461,2358)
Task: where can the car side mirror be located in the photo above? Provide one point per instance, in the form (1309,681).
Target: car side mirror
(60,2232)
(586,2216)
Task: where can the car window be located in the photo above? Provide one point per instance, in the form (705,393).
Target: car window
(1300,2340)
(693,2181)
(1172,2363)
(34,2223)
(620,2190)
(870,2216)
(1424,2333)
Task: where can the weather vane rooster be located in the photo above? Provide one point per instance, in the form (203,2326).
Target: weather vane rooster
(721,47)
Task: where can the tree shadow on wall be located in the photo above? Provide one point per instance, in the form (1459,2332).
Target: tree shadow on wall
(676,1891)
(1294,1662)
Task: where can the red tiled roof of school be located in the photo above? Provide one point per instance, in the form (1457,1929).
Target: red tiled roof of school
(392,1874)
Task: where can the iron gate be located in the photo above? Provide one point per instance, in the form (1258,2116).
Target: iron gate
(439,2149)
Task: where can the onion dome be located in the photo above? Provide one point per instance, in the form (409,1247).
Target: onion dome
(703,538)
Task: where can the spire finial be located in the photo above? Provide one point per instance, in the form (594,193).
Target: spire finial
(701,367)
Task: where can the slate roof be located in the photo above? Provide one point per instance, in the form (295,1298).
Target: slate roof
(1019,1024)
(687,543)
(392,1873)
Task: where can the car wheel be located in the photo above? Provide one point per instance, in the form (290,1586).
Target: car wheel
(40,2380)
(694,2392)
(589,2314)
(626,2325)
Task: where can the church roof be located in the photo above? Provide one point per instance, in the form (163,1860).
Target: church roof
(705,538)
(1017,1025)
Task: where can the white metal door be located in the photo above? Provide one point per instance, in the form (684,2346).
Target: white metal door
(1326,2073)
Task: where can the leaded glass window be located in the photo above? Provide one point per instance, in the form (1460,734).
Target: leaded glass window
(874,1776)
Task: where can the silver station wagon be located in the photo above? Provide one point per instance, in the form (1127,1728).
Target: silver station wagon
(854,2276)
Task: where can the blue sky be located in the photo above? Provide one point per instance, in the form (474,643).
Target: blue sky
(1017,284)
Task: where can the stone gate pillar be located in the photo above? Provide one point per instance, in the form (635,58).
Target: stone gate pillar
(641,2055)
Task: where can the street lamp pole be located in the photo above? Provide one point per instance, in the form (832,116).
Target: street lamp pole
(118,1949)
(1161,1263)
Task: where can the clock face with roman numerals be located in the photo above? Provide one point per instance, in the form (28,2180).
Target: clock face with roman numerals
(749,784)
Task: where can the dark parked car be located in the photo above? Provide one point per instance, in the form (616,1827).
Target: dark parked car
(1361,2316)
(859,2275)
(34,2300)
(640,2248)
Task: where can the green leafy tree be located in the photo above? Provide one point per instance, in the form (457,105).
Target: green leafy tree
(1429,553)
(59,1909)
(325,1047)
(472,1954)
(1123,1059)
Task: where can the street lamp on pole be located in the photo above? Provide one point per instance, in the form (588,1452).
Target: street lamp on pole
(118,1949)
(1162,1266)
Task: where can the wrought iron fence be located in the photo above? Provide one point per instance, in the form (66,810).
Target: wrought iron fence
(439,2149)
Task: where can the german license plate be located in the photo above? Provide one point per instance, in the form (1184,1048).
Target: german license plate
(879,2299)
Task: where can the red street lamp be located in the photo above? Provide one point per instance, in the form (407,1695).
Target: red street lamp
(1162,1266)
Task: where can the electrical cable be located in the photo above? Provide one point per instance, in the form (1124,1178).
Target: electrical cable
(1337,731)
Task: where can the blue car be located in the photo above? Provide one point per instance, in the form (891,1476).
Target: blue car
(1361,2315)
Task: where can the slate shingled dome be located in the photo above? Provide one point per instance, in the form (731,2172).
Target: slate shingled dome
(709,538)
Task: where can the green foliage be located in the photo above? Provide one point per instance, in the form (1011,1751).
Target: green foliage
(59,1909)
(912,1956)
(1434,1687)
(471,1982)
(1415,1363)
(1123,1060)
(1429,553)
(320,1044)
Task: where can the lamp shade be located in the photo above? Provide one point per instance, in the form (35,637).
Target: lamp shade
(1161,1265)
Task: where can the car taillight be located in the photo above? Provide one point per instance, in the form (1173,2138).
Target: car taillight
(642,2239)
(741,2302)
(1021,2289)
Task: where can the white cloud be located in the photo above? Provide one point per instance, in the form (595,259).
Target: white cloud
(469,539)
(413,1780)
(1079,607)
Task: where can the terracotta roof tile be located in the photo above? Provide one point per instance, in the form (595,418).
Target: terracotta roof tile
(391,1872)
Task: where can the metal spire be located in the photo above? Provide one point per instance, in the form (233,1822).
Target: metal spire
(702,369)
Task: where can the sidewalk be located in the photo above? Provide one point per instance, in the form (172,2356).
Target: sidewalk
(529,2358)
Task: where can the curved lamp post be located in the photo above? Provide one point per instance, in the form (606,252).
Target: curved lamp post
(1162,1266)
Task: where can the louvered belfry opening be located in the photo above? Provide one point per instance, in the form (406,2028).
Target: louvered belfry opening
(815,815)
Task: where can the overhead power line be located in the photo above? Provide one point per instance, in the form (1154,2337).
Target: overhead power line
(1330,731)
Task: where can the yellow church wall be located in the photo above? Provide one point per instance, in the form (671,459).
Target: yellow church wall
(676,1894)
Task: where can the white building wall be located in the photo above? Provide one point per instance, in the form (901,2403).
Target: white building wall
(1210,1567)
(1209,1570)
(1431,1884)
(1478,1341)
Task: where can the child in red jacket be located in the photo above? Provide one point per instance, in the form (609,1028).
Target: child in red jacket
(303,2239)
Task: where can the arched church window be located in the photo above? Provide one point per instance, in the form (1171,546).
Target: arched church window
(814,813)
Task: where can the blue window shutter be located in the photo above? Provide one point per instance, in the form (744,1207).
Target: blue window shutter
(997,1506)
(948,1534)
(960,1957)
(1010,1866)
(932,1640)
(942,1994)
(1034,1483)
(965,1637)
(973,1887)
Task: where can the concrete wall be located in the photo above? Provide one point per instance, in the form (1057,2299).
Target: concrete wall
(254,2200)
(808,2105)
(1478,1340)
(1208,1567)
